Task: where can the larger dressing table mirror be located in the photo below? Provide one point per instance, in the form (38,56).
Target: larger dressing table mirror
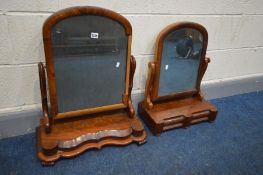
(172,93)
(89,71)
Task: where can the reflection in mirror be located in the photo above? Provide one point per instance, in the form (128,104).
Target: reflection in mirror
(180,61)
(89,54)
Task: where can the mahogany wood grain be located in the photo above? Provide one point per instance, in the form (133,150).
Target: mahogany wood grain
(182,109)
(74,132)
(47,28)
(158,58)
(77,128)
(43,89)
(182,112)
(148,86)
(131,110)
(71,137)
(89,111)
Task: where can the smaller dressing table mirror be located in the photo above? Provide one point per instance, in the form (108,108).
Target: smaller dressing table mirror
(90,72)
(172,93)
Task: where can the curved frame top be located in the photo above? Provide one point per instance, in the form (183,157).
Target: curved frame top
(84,10)
(47,30)
(158,59)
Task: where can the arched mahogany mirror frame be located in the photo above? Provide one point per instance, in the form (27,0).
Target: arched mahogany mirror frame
(183,108)
(158,61)
(47,32)
(115,123)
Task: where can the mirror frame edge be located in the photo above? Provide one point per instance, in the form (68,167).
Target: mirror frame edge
(158,58)
(46,32)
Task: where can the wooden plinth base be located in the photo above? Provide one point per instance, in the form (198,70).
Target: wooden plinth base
(177,113)
(69,138)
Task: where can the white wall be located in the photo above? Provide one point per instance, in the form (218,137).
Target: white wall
(235,45)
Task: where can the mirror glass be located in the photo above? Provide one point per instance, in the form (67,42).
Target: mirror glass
(89,54)
(180,61)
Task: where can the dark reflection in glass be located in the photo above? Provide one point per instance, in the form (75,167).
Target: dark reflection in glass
(89,55)
(180,61)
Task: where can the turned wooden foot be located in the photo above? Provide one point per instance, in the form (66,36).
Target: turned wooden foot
(156,134)
(141,142)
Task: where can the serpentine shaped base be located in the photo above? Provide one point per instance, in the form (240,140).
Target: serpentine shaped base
(72,137)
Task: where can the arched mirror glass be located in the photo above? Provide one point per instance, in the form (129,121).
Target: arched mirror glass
(180,61)
(89,57)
